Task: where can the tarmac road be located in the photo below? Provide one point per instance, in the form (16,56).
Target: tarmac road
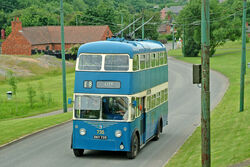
(51,148)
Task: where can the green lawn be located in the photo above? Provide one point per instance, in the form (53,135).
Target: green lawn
(16,128)
(51,90)
(45,80)
(229,128)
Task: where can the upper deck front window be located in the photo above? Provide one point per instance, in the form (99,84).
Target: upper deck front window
(116,63)
(90,62)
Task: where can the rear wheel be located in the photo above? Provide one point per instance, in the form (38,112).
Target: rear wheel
(158,131)
(134,147)
(78,152)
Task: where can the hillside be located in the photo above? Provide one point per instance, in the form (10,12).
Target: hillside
(30,66)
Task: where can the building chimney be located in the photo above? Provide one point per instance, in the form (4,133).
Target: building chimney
(16,25)
(2,34)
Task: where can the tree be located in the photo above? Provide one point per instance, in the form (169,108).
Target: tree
(12,81)
(223,26)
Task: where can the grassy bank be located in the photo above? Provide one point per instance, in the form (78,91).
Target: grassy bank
(42,75)
(229,128)
(16,128)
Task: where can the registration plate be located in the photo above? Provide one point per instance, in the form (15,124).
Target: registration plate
(101,137)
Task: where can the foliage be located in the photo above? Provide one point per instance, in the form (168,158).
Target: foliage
(41,90)
(31,94)
(83,12)
(12,81)
(74,49)
(224,25)
(164,38)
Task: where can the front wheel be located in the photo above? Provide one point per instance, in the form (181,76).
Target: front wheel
(134,147)
(78,152)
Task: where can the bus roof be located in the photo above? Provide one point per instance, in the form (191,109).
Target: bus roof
(121,46)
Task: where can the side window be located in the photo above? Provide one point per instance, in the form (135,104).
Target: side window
(152,60)
(166,94)
(142,62)
(133,110)
(137,108)
(153,101)
(157,59)
(161,58)
(158,99)
(162,96)
(135,63)
(165,58)
(149,103)
(147,60)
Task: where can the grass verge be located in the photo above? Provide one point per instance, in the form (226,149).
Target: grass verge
(48,97)
(229,128)
(16,128)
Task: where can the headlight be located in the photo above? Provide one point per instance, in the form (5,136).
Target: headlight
(118,133)
(82,131)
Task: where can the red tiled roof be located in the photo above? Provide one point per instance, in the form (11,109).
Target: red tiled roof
(73,34)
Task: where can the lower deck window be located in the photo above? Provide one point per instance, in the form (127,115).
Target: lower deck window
(95,107)
(87,107)
(115,108)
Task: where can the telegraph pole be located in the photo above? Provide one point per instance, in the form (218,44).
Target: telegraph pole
(63,59)
(134,26)
(183,43)
(173,38)
(122,23)
(205,85)
(142,30)
(243,57)
(129,30)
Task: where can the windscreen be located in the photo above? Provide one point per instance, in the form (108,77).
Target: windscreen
(87,107)
(115,108)
(116,63)
(90,62)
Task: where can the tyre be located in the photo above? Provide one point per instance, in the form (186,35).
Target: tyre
(158,131)
(134,147)
(78,152)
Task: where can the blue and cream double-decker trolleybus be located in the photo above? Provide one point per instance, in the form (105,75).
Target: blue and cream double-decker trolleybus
(120,95)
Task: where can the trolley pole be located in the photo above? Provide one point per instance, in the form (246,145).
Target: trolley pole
(205,85)
(243,57)
(63,59)
(173,38)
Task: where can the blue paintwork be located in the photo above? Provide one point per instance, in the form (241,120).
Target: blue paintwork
(113,143)
(131,82)
(124,47)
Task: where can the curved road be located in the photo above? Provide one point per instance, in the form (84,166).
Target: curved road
(51,148)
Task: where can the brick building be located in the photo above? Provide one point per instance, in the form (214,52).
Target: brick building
(165,28)
(22,41)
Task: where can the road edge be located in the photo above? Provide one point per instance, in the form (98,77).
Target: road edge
(32,134)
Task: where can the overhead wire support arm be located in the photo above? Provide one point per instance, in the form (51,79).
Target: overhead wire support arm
(141,26)
(127,26)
